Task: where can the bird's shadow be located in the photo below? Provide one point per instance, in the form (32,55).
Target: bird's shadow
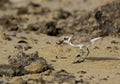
(101,58)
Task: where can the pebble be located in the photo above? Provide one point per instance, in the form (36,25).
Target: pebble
(35,67)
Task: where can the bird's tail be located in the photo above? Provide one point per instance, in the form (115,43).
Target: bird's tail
(95,39)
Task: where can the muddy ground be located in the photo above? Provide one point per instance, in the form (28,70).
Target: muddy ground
(30,30)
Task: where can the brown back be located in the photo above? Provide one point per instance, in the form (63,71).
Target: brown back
(80,38)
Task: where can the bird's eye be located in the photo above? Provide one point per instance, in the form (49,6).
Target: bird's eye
(65,38)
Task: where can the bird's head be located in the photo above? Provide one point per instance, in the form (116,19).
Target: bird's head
(65,39)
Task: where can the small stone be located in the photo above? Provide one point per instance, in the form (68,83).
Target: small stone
(53,60)
(35,67)
(22,41)
(114,42)
(104,79)
(109,47)
(82,72)
(63,77)
(96,47)
(48,72)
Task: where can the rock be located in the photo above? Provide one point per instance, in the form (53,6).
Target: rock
(33,27)
(3,35)
(22,10)
(10,23)
(82,72)
(23,63)
(59,77)
(35,67)
(22,47)
(6,70)
(49,28)
(64,77)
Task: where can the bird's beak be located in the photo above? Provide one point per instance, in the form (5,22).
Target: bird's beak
(65,41)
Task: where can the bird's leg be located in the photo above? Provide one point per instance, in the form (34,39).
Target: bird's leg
(88,51)
(79,60)
(86,54)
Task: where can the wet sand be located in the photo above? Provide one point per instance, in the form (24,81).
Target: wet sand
(102,66)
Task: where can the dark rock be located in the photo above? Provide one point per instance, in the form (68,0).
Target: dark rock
(64,77)
(98,15)
(10,23)
(22,47)
(83,72)
(6,70)
(49,28)
(22,10)
(22,63)
(33,27)
(22,41)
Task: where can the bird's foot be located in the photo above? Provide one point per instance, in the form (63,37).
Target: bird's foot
(78,61)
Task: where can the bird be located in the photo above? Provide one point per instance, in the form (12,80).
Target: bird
(80,40)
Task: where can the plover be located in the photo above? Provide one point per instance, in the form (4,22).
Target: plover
(81,40)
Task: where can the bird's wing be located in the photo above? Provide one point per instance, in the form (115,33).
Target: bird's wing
(81,38)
